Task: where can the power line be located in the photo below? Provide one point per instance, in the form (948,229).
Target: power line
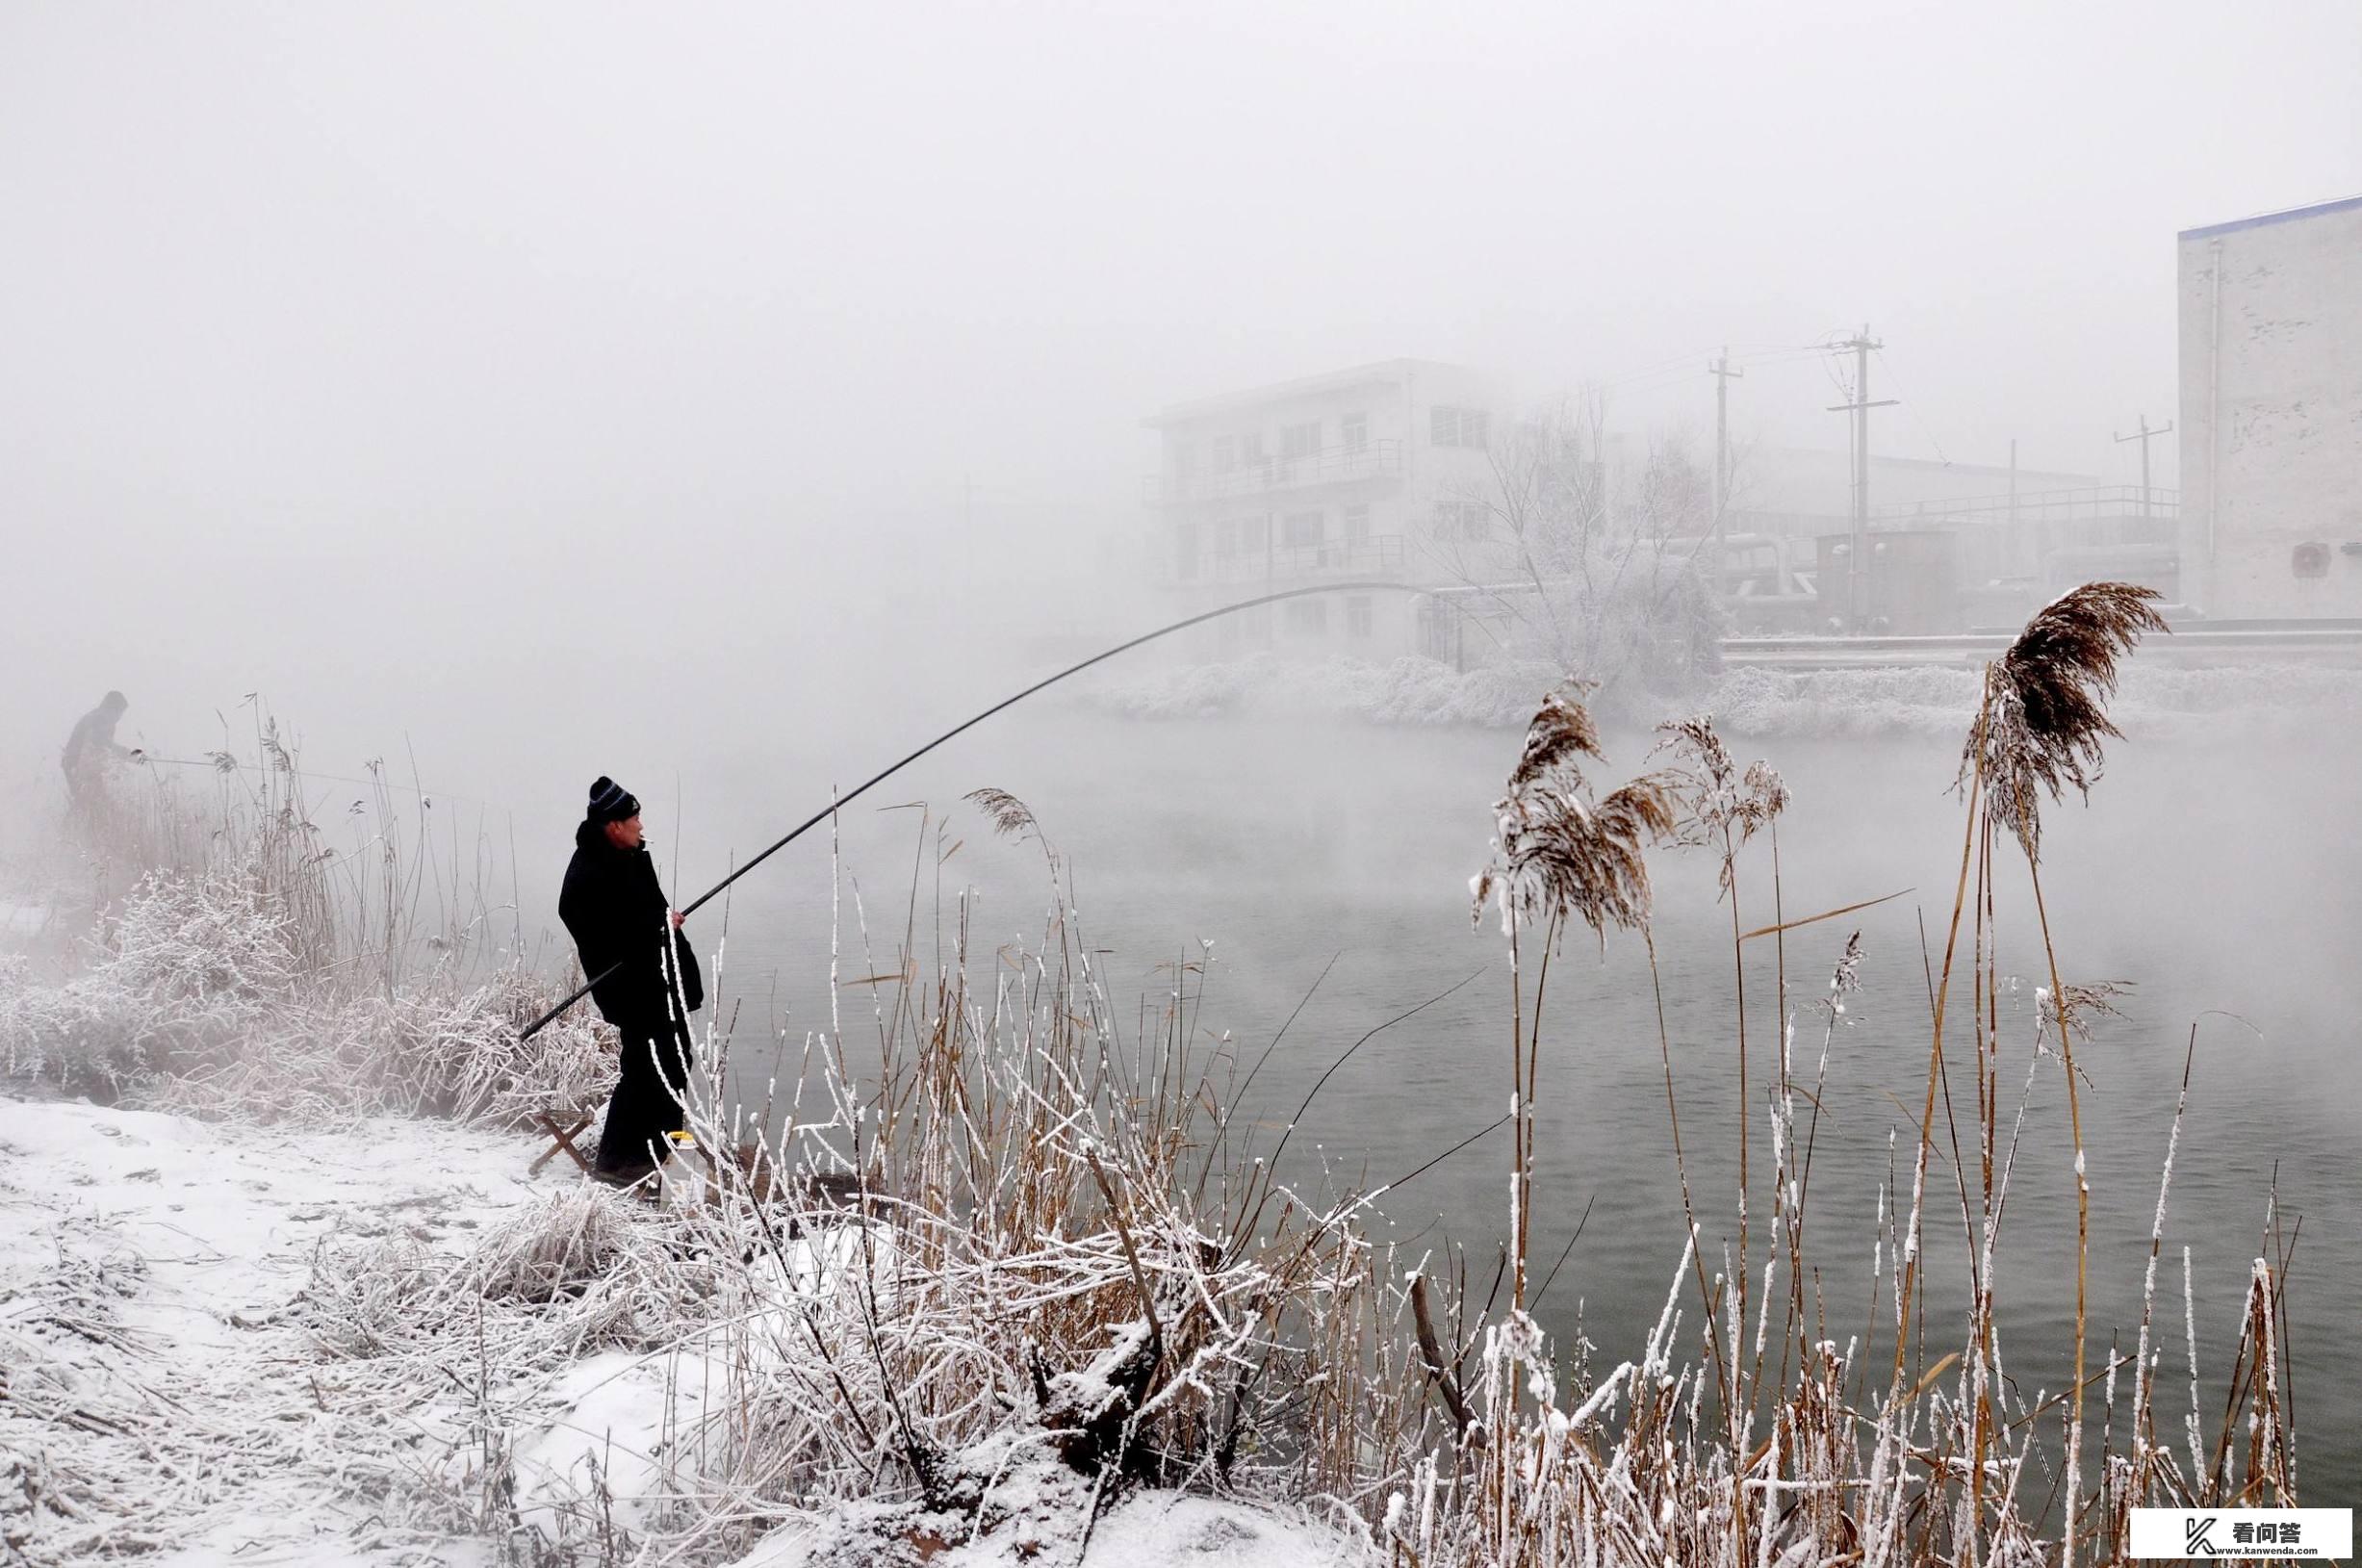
(1656,374)
(1925,429)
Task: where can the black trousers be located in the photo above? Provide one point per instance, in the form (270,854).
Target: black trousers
(649,1098)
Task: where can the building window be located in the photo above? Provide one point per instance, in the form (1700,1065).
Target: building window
(1307,618)
(1226,537)
(1300,530)
(1452,427)
(1357,619)
(1185,552)
(1464,520)
(1254,534)
(1300,440)
(1356,432)
(1250,448)
(1357,525)
(1226,453)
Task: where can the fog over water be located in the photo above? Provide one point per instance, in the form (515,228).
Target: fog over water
(730,400)
(1288,848)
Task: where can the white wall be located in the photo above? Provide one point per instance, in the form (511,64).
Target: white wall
(2271,420)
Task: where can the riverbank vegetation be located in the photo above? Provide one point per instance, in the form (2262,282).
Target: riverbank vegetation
(260,944)
(1001,1267)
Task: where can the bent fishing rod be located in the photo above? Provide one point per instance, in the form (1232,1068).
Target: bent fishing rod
(215,764)
(830,810)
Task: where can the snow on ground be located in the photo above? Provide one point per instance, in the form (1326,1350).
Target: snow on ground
(1150,1529)
(156,1398)
(169,1391)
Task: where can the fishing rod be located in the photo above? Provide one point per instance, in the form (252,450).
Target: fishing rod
(233,765)
(830,810)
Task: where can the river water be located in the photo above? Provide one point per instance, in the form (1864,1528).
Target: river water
(2219,884)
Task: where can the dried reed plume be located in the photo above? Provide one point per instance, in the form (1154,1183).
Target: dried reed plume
(2045,701)
(1719,802)
(1558,855)
(1846,978)
(1010,816)
(1561,731)
(2074,1007)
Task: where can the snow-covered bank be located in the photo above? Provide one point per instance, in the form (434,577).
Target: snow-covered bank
(228,1343)
(291,1297)
(161,1399)
(1148,1529)
(1410,692)
(2157,702)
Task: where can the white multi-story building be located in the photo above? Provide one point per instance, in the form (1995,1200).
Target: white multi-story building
(1338,478)
(2271,420)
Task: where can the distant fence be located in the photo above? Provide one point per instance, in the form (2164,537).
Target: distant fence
(2245,642)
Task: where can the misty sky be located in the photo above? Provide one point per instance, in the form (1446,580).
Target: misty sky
(546,362)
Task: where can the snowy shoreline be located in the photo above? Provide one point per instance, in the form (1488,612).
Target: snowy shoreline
(1754,702)
(168,1394)
(160,1399)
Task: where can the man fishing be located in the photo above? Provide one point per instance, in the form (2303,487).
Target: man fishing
(619,917)
(89,751)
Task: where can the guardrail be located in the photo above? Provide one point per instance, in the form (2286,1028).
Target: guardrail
(2094,503)
(2248,642)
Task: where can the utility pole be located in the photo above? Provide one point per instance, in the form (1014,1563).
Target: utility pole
(2142,435)
(1722,373)
(1857,562)
(2017,552)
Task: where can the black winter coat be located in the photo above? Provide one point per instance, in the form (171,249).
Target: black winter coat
(615,910)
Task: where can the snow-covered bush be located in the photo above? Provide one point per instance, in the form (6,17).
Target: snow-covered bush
(189,968)
(197,997)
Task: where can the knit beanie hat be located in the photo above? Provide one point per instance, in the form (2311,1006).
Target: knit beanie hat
(611,802)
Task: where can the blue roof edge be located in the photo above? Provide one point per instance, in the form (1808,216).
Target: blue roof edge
(2287,215)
